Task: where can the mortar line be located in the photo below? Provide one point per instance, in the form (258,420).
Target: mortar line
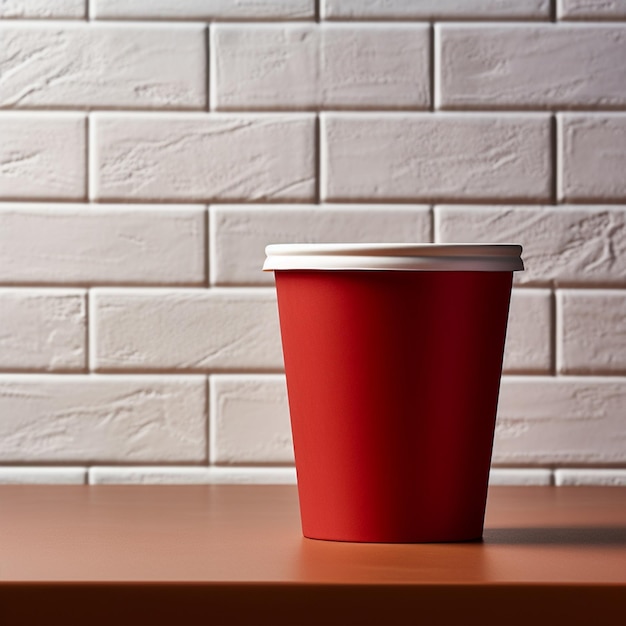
(211,68)
(554,159)
(557,325)
(433,69)
(318,160)
(87,155)
(87,367)
(208,56)
(207,246)
(207,415)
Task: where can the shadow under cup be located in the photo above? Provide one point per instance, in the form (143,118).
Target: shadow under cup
(393,358)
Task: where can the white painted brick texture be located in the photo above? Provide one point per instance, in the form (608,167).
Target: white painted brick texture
(168,475)
(591,9)
(42,156)
(42,329)
(435,9)
(151,149)
(30,9)
(185,329)
(102,419)
(592,331)
(203,9)
(102,66)
(43,475)
(593,477)
(249,420)
(535,66)
(592,157)
(561,421)
(435,157)
(60,244)
(328,66)
(528,346)
(172,157)
(526,477)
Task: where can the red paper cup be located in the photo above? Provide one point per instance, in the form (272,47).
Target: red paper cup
(393,357)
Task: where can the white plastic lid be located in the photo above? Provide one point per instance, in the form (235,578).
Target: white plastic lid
(396,256)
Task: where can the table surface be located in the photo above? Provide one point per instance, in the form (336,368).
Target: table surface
(235,555)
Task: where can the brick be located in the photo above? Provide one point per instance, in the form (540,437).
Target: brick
(153,475)
(100,65)
(42,156)
(204,9)
(524,476)
(32,9)
(239,234)
(249,420)
(592,157)
(561,421)
(43,475)
(529,336)
(193,157)
(539,66)
(254,475)
(436,9)
(102,419)
(591,9)
(592,331)
(42,329)
(565,245)
(90,244)
(185,329)
(309,66)
(117,475)
(413,157)
(593,477)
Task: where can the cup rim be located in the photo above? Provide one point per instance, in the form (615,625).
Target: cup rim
(394,256)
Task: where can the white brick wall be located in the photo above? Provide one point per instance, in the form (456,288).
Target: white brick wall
(435,9)
(102,244)
(561,420)
(42,329)
(592,151)
(196,157)
(329,66)
(425,156)
(592,331)
(42,156)
(538,66)
(70,66)
(184,329)
(150,149)
(90,419)
(203,9)
(65,9)
(591,9)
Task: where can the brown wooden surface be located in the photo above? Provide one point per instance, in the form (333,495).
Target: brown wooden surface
(234,555)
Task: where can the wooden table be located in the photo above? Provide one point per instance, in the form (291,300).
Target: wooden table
(183,555)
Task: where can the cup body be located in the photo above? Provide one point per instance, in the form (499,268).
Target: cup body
(393,382)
